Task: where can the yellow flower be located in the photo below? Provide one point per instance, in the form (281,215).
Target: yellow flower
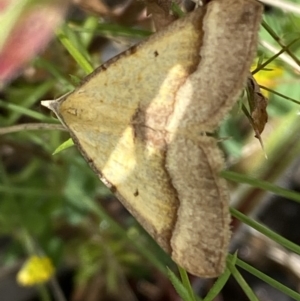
(268,78)
(36,270)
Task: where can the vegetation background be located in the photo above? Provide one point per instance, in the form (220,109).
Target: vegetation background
(56,216)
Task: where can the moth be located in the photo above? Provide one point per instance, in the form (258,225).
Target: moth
(142,120)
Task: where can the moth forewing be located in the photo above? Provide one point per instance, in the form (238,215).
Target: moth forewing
(139,120)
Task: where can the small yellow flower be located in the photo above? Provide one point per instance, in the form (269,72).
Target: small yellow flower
(268,78)
(36,270)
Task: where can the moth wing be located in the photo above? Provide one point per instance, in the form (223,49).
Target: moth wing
(107,117)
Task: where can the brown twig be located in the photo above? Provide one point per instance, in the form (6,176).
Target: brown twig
(31,127)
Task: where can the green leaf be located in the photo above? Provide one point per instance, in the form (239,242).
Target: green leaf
(267,279)
(241,281)
(179,287)
(64,146)
(186,282)
(221,281)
